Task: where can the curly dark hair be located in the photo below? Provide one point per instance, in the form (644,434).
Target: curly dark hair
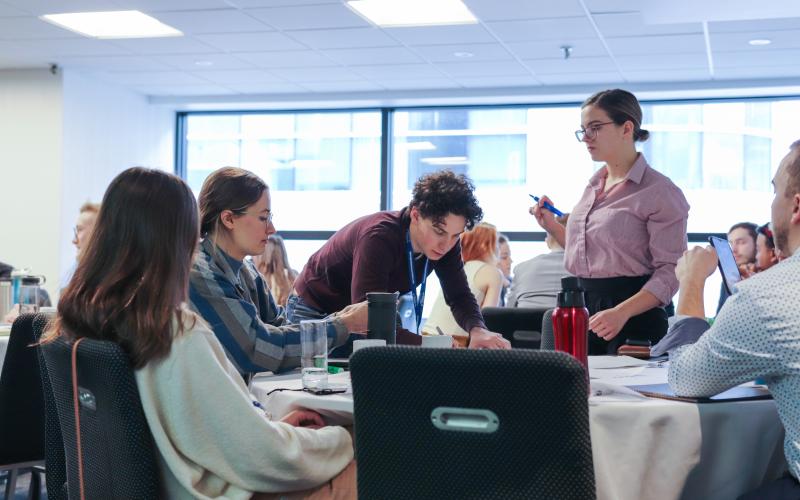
(441,193)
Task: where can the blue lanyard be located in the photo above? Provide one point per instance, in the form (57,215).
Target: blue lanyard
(418,302)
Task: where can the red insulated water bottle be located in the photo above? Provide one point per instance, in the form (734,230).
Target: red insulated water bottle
(571,321)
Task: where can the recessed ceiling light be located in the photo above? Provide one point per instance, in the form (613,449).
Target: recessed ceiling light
(463,55)
(112,24)
(446,160)
(203,63)
(397,13)
(760,41)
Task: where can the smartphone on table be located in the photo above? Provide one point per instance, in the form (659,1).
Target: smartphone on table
(727,263)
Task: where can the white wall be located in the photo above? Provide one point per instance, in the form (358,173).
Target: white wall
(31,170)
(106,129)
(62,139)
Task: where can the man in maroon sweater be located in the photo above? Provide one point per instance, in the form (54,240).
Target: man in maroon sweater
(395,251)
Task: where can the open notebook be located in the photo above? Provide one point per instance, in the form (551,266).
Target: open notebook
(740,393)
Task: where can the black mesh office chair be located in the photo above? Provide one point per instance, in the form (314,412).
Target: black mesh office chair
(519,325)
(488,424)
(118,453)
(22,406)
(548,342)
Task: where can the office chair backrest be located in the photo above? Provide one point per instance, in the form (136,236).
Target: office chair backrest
(519,325)
(459,423)
(117,450)
(21,399)
(548,342)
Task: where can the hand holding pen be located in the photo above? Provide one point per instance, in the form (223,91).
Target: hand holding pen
(546,204)
(545,212)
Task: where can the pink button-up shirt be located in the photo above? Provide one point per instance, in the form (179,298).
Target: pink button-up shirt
(637,228)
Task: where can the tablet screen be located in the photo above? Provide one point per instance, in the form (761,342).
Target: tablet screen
(727,263)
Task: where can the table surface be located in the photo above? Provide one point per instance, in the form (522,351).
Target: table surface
(642,447)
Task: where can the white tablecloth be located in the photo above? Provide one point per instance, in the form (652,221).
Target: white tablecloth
(643,448)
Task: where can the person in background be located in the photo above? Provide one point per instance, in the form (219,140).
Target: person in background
(394,251)
(626,233)
(766,253)
(134,294)
(478,251)
(226,289)
(504,264)
(742,239)
(273,264)
(756,334)
(537,281)
(87,215)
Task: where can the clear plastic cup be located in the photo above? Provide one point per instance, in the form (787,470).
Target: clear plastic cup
(314,354)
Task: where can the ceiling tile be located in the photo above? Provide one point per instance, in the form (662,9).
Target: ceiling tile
(182,90)
(789,23)
(342,87)
(251,42)
(424,84)
(694,60)
(757,72)
(202,62)
(583,47)
(581,78)
(543,29)
(497,81)
(676,75)
(596,6)
(398,71)
(41,7)
(441,35)
(652,45)
(237,76)
(344,38)
(277,3)
(506,10)
(26,28)
(166,45)
(287,59)
(152,78)
(309,17)
(9,11)
(379,55)
(113,63)
(266,88)
(571,65)
(478,68)
(787,58)
(632,24)
(784,39)
(319,74)
(211,21)
(72,47)
(478,51)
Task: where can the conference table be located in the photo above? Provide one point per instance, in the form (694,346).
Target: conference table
(643,448)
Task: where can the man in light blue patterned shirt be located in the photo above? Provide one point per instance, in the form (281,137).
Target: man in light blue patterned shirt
(756,333)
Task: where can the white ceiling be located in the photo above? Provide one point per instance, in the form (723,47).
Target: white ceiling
(247,47)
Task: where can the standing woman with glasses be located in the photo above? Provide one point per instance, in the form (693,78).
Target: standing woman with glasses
(625,235)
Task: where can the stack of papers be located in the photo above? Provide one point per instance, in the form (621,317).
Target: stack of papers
(605,367)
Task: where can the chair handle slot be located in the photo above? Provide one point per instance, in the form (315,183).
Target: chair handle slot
(449,418)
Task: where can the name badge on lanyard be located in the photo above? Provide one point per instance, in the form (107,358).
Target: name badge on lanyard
(419,302)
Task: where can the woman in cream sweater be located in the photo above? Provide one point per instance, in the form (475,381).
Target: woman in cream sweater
(214,440)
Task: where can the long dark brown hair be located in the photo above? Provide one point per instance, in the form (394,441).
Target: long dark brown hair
(134,274)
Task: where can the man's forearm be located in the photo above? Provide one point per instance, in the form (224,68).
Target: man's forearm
(690,299)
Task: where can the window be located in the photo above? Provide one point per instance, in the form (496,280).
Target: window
(315,163)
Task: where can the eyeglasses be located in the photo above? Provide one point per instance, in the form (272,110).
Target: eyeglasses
(265,219)
(589,133)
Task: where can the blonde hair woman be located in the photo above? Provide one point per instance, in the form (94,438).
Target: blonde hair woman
(273,264)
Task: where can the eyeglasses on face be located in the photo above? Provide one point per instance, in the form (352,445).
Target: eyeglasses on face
(591,132)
